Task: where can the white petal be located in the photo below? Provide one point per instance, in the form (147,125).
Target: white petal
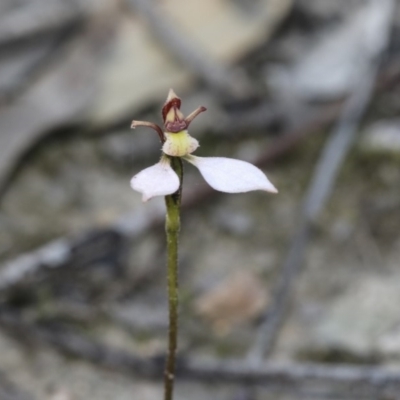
(158,180)
(230,175)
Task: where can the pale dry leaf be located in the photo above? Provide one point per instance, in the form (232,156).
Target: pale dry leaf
(61,394)
(140,68)
(236,300)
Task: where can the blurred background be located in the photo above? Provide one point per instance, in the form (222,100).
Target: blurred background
(306,89)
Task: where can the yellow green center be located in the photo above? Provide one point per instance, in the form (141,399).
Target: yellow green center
(179,144)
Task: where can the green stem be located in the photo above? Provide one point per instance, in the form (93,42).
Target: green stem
(172,227)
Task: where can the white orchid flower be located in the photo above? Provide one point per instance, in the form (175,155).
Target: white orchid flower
(223,174)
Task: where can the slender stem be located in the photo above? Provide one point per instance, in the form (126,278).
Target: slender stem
(172,227)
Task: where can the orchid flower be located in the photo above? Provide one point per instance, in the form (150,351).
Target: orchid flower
(165,179)
(223,174)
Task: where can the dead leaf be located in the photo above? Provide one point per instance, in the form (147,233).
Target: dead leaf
(234,301)
(61,394)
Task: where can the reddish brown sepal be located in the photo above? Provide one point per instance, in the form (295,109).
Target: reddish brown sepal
(174,120)
(174,102)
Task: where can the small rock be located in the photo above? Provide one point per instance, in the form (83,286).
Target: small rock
(382,136)
(331,68)
(361,321)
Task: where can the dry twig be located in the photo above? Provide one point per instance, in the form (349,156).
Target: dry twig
(363,382)
(326,171)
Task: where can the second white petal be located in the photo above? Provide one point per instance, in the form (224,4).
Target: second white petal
(231,176)
(158,180)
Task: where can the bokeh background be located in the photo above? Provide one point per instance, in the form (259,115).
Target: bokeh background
(307,89)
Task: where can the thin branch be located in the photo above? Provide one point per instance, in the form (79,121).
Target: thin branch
(79,251)
(322,183)
(366,382)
